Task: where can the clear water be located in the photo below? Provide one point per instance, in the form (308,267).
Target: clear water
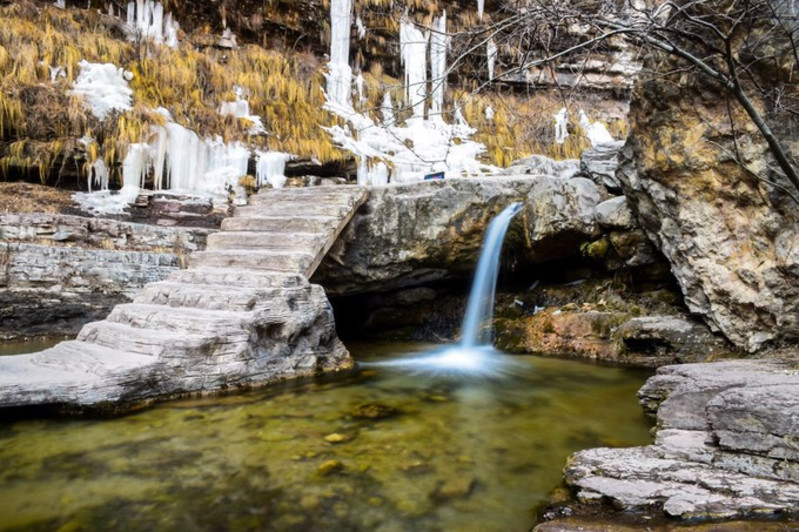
(461,453)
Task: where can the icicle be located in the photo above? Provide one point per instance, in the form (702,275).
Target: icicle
(561,125)
(491,56)
(438,64)
(111,9)
(99,175)
(134,167)
(413,46)
(489,112)
(270,168)
(359,88)
(360,27)
(339,75)
(387,110)
(480,9)
(61,4)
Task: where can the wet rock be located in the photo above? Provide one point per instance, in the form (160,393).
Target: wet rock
(374,411)
(599,164)
(337,438)
(722,448)
(559,215)
(668,335)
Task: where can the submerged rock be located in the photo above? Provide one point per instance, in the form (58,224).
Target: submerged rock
(374,411)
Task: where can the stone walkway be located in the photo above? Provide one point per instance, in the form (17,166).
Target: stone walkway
(242,314)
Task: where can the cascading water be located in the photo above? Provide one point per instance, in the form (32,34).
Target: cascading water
(476,328)
(474,354)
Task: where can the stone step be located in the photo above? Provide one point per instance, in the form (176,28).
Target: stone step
(278,261)
(212,296)
(273,196)
(221,323)
(238,278)
(279,223)
(156,343)
(289,208)
(310,242)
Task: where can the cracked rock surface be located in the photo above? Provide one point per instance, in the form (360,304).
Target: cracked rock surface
(727,445)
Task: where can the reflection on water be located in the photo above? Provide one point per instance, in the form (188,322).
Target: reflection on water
(28,346)
(384,450)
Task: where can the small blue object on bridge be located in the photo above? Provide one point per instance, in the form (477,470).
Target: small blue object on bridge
(437,175)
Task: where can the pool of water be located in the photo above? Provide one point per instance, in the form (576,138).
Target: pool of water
(383,449)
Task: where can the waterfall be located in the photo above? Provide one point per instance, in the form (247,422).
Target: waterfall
(474,355)
(476,328)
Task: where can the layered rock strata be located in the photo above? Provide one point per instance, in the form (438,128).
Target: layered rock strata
(58,272)
(725,445)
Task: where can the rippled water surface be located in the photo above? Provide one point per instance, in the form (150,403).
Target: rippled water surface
(385,449)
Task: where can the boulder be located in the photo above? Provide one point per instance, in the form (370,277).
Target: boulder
(559,216)
(615,213)
(599,164)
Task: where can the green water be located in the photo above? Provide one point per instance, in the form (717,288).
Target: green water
(458,454)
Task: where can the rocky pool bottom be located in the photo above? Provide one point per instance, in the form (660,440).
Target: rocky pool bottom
(382,449)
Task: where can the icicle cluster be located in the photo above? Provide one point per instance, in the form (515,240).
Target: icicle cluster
(270,168)
(420,146)
(596,132)
(147,19)
(339,73)
(413,55)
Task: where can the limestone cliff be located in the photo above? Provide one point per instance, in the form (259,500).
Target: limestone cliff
(703,182)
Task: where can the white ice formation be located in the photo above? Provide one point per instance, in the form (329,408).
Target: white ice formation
(491,57)
(147,20)
(596,132)
(561,125)
(270,168)
(240,108)
(413,54)
(439,44)
(339,73)
(104,87)
(387,150)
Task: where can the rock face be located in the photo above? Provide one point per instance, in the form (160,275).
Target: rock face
(59,272)
(560,214)
(731,238)
(724,446)
(409,234)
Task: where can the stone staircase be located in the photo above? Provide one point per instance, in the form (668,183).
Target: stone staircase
(242,314)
